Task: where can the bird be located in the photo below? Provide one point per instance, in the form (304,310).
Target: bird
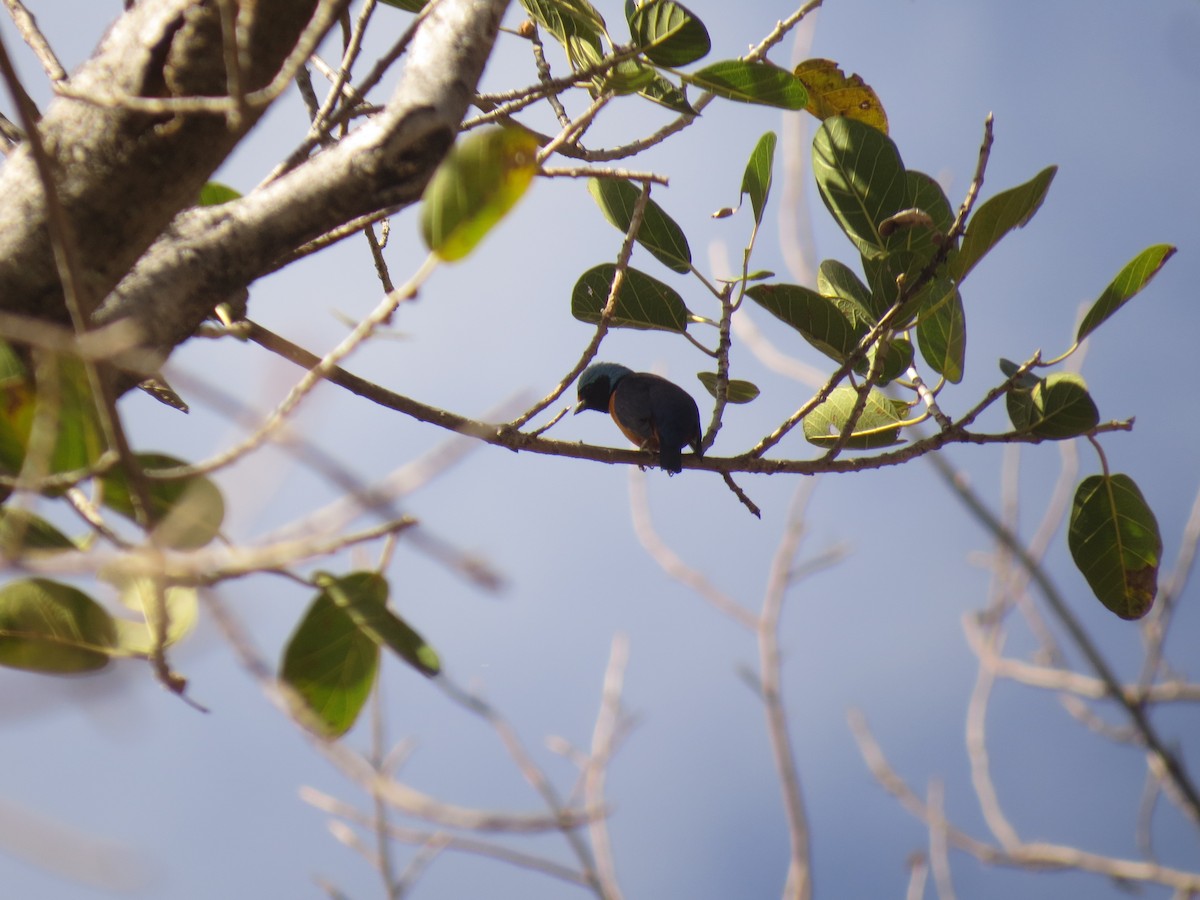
(654,413)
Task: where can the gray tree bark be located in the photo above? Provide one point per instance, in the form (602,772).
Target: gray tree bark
(128,179)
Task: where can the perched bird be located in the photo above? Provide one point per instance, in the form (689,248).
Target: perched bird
(652,412)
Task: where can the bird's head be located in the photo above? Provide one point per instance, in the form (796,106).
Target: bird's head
(596,385)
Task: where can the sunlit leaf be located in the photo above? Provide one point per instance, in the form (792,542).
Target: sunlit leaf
(1129,281)
(50,627)
(658,232)
(997,217)
(736,391)
(746,82)
(481,179)
(214,194)
(643,302)
(1056,407)
(833,93)
(1115,542)
(756,180)
(364,596)
(185,513)
(179,604)
(878,426)
(331,664)
(566,19)
(861,178)
(670,34)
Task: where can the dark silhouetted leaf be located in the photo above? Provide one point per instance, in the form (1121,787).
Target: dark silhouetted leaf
(1129,281)
(643,302)
(1116,545)
(658,233)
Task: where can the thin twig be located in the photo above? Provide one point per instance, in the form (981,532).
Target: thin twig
(604,736)
(779,579)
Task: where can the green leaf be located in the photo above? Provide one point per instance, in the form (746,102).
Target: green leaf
(567,18)
(898,357)
(1129,281)
(735,391)
(629,76)
(885,273)
(1028,381)
(331,664)
(756,180)
(214,194)
(746,82)
(138,594)
(1057,407)
(481,179)
(412,6)
(643,302)
(50,627)
(923,236)
(670,33)
(861,178)
(185,513)
(942,336)
(832,93)
(1115,542)
(821,321)
(364,596)
(665,94)
(837,280)
(658,233)
(878,426)
(997,217)
(21,532)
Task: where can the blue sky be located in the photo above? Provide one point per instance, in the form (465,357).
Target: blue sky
(207,806)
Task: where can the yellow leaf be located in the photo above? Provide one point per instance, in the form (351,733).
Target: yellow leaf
(833,93)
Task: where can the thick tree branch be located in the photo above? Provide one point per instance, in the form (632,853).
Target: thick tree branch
(210,254)
(121,174)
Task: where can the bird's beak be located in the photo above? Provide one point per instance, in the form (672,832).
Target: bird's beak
(578,408)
